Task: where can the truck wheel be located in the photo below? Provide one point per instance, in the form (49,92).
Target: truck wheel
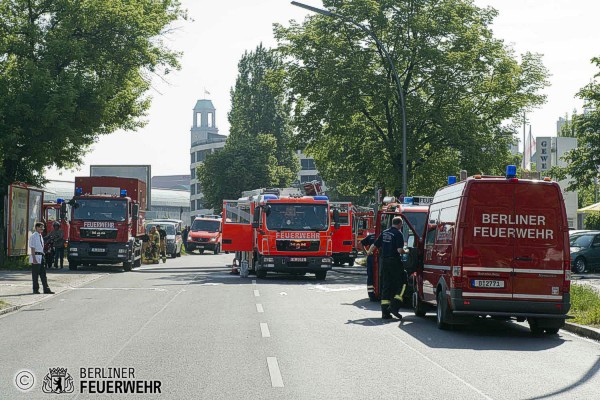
(351,262)
(442,311)
(201,251)
(217,249)
(262,274)
(127,266)
(321,275)
(418,306)
(73,266)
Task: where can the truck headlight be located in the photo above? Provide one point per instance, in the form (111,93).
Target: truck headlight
(214,239)
(73,249)
(268,259)
(327,261)
(122,251)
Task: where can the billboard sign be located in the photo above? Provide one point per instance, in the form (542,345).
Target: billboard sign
(24,210)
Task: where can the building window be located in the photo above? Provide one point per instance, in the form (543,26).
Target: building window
(192,205)
(193,157)
(193,173)
(198,188)
(309,178)
(200,205)
(209,118)
(193,189)
(201,155)
(307,164)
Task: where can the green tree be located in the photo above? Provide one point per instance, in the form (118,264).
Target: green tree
(71,70)
(592,221)
(248,162)
(460,84)
(259,111)
(583,162)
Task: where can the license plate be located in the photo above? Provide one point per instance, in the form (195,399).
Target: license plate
(298,259)
(97,250)
(199,247)
(487,283)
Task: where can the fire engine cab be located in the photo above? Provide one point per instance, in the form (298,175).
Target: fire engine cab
(280,230)
(413,211)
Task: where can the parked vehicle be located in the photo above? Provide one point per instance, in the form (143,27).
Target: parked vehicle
(363,225)
(499,247)
(585,251)
(107,221)
(178,223)
(174,240)
(343,241)
(205,234)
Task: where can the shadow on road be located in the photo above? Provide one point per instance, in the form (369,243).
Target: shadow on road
(508,335)
(588,375)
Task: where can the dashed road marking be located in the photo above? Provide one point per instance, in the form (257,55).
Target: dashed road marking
(259,308)
(264,329)
(254,281)
(276,380)
(256,293)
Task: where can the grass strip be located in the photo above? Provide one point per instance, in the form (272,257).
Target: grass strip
(585,305)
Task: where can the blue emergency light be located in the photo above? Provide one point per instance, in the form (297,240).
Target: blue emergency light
(123,192)
(270,197)
(407,200)
(451,180)
(78,191)
(321,198)
(511,171)
(60,201)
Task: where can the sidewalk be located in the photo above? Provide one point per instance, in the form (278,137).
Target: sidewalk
(16,288)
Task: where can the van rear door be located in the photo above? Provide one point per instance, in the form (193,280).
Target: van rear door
(486,251)
(539,242)
(237,228)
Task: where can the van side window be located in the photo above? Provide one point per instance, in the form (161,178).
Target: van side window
(446,225)
(432,227)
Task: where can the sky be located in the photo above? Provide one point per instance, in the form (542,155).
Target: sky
(564,31)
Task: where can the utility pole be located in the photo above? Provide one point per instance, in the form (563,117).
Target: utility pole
(524,139)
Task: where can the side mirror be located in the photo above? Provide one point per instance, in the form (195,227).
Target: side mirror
(336,225)
(255,224)
(63,211)
(267,210)
(336,218)
(136,210)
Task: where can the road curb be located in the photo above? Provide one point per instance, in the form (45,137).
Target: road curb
(582,330)
(9,309)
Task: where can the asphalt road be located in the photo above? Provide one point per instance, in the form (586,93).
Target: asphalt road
(205,334)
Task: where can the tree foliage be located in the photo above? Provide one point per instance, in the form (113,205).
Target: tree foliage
(460,84)
(584,161)
(592,221)
(259,118)
(71,70)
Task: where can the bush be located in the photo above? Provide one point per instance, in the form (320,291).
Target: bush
(12,263)
(585,305)
(592,221)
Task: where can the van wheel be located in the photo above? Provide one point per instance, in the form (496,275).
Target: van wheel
(442,311)
(580,265)
(418,306)
(551,331)
(534,326)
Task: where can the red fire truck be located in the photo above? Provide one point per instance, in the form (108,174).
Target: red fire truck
(280,230)
(344,250)
(56,211)
(413,211)
(107,221)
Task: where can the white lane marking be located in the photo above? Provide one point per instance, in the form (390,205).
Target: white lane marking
(276,380)
(259,308)
(264,329)
(254,281)
(342,289)
(256,293)
(119,288)
(282,293)
(210,284)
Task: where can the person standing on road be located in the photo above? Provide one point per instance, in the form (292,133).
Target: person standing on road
(57,236)
(163,242)
(184,236)
(367,242)
(36,246)
(393,276)
(154,243)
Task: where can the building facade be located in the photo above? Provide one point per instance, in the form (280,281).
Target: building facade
(205,139)
(308,171)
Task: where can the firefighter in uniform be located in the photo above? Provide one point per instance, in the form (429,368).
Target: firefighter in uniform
(154,243)
(163,243)
(393,276)
(367,242)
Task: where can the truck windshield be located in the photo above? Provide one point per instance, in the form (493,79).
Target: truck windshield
(298,217)
(417,220)
(206,225)
(169,229)
(100,210)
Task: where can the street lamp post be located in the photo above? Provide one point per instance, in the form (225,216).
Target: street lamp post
(393,68)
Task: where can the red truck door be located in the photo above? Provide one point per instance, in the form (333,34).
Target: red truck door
(237,232)
(342,237)
(539,245)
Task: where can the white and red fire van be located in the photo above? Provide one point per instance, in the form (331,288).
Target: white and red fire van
(499,247)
